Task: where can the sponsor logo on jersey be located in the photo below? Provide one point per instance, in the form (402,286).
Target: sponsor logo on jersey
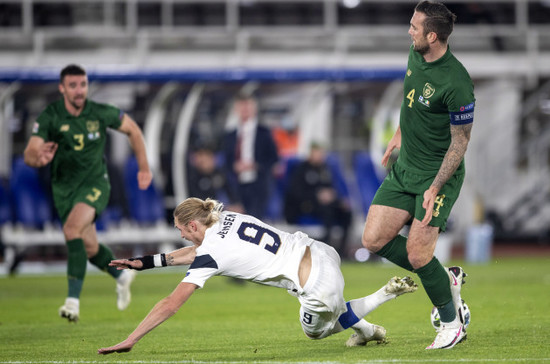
(428,90)
(94,136)
(467,107)
(35,127)
(64,127)
(409,72)
(92,126)
(423,101)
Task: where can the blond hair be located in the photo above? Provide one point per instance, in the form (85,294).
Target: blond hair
(207,212)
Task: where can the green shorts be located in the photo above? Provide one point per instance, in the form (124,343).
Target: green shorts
(94,193)
(404,189)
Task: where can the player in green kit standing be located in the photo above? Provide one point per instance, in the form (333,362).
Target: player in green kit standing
(71,134)
(434,130)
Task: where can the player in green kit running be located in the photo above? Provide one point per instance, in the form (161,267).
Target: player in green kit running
(71,134)
(434,130)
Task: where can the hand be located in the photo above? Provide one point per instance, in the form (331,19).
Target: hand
(395,143)
(122,347)
(46,153)
(121,264)
(144,179)
(429,199)
(240,166)
(326,195)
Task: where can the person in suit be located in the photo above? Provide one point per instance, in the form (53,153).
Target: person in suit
(312,192)
(250,154)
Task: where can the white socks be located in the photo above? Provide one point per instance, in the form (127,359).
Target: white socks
(363,306)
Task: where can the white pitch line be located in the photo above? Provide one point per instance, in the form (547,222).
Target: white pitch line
(378,361)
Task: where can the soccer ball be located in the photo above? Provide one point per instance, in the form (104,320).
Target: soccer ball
(463,312)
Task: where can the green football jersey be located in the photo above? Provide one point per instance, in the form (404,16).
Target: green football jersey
(81,143)
(436,94)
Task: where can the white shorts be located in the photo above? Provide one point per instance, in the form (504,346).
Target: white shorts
(322,301)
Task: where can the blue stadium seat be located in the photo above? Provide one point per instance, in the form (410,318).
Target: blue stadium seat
(146,207)
(367,180)
(32,207)
(5,204)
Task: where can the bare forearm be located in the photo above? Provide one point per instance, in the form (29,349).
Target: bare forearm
(32,158)
(138,146)
(183,256)
(460,137)
(160,313)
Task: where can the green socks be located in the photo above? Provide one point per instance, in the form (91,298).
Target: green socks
(396,252)
(76,266)
(435,280)
(102,260)
(433,275)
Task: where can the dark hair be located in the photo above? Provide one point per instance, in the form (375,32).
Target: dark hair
(439,19)
(71,70)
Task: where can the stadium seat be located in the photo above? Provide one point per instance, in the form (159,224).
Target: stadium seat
(146,207)
(32,207)
(367,180)
(5,204)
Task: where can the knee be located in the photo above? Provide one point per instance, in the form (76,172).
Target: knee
(372,241)
(71,231)
(418,260)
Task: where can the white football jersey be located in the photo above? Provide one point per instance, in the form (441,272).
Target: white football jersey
(244,247)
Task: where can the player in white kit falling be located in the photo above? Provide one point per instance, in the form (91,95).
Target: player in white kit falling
(241,246)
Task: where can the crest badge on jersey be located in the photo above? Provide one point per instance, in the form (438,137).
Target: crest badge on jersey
(428,90)
(93,129)
(35,127)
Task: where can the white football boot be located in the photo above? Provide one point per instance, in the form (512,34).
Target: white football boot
(448,335)
(123,283)
(398,286)
(456,277)
(71,309)
(360,339)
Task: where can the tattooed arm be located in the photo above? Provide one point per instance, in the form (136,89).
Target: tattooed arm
(183,256)
(460,136)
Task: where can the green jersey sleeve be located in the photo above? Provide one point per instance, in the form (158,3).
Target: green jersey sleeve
(111,115)
(42,125)
(461,101)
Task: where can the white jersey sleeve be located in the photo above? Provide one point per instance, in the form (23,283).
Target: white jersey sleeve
(244,247)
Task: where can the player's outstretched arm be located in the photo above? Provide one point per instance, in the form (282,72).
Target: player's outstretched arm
(182,256)
(130,128)
(163,310)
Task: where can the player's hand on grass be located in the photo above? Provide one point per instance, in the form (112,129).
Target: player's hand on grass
(126,264)
(123,347)
(144,179)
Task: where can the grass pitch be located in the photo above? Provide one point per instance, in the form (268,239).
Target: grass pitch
(226,322)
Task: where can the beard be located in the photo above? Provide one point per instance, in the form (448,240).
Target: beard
(421,48)
(78,103)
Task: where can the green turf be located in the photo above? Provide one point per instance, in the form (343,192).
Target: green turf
(226,322)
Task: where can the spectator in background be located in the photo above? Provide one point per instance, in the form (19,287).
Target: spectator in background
(250,154)
(205,179)
(312,192)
